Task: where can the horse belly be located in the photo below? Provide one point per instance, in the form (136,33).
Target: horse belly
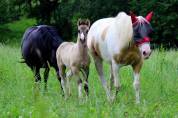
(104,51)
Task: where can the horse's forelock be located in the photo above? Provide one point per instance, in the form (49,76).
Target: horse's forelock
(141,20)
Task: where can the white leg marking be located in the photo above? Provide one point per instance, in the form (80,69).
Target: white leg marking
(69,74)
(80,90)
(63,85)
(136,85)
(68,86)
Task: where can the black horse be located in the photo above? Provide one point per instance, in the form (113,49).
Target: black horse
(39,45)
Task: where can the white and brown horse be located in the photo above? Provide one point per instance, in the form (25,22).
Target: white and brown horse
(75,57)
(121,40)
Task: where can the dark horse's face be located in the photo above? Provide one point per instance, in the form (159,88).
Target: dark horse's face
(142,30)
(83,28)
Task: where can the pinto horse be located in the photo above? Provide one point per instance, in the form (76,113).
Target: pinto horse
(39,45)
(121,40)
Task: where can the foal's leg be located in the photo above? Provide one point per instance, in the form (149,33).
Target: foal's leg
(59,78)
(85,73)
(80,88)
(136,83)
(63,80)
(99,68)
(117,85)
(69,74)
(46,73)
(76,73)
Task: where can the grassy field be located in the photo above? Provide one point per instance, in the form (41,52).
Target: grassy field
(159,91)
(20,99)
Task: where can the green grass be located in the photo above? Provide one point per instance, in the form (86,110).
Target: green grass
(159,91)
(11,33)
(20,98)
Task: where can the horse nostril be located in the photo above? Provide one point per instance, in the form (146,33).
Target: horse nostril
(144,52)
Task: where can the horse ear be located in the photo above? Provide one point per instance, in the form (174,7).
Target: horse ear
(133,17)
(149,16)
(88,22)
(79,21)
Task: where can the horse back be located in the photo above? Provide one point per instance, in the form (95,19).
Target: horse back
(39,45)
(109,36)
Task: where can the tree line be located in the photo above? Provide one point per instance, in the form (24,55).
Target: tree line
(64,14)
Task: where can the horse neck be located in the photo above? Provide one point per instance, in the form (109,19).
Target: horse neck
(81,47)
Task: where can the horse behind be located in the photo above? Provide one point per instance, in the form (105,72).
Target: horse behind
(39,45)
(121,40)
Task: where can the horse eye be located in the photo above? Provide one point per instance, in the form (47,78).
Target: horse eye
(78,31)
(87,31)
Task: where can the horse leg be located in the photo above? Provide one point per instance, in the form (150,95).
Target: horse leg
(99,68)
(63,79)
(76,73)
(117,85)
(111,78)
(86,74)
(36,71)
(37,74)
(136,83)
(79,88)
(68,76)
(46,73)
(59,78)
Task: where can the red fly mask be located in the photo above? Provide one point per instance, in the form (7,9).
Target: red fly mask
(142,30)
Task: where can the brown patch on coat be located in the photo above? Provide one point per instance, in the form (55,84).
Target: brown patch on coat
(103,35)
(129,56)
(137,67)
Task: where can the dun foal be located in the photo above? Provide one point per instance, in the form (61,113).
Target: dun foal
(75,57)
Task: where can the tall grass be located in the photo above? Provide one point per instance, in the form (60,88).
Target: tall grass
(159,91)
(20,98)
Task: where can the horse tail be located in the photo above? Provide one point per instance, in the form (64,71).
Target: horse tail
(22,61)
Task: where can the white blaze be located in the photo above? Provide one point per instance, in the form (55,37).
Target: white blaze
(82,36)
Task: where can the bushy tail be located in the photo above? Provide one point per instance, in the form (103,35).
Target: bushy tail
(22,61)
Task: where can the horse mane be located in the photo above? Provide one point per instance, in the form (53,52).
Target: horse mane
(124,29)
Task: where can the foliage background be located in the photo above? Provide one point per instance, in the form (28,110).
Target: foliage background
(64,14)
(159,76)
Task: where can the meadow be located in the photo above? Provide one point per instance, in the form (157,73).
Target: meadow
(19,98)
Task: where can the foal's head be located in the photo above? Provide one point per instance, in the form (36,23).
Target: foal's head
(83,28)
(142,30)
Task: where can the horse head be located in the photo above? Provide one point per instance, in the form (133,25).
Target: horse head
(142,30)
(83,28)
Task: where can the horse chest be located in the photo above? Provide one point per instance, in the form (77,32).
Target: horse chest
(130,56)
(81,59)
